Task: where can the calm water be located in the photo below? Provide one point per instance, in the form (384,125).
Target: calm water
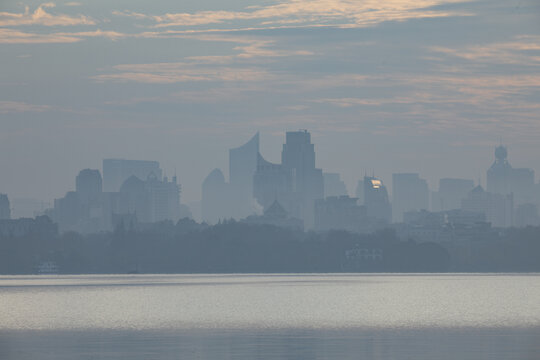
(270,316)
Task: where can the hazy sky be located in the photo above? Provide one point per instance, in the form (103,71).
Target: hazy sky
(428,86)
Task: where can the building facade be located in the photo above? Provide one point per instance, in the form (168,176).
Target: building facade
(116,171)
(376,200)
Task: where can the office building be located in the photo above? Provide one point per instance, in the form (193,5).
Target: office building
(505,180)
(498,208)
(216,198)
(116,171)
(376,200)
(295,183)
(242,168)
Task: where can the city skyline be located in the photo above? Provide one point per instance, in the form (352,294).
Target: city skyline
(350,186)
(411,86)
(253,179)
(292,193)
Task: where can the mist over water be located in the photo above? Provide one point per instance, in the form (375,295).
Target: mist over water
(270,316)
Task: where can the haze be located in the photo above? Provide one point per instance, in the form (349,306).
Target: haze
(426,86)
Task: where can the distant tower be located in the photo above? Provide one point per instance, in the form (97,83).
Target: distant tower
(505,180)
(498,175)
(88,186)
(298,158)
(5,210)
(242,168)
(215,198)
(376,199)
(116,171)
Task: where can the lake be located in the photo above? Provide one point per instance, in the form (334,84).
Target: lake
(252,316)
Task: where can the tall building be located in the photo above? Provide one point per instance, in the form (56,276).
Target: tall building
(67,212)
(163,199)
(498,208)
(333,185)
(409,192)
(152,200)
(88,185)
(116,171)
(376,200)
(242,168)
(271,183)
(134,199)
(450,194)
(5,210)
(298,157)
(295,183)
(215,200)
(503,179)
(500,173)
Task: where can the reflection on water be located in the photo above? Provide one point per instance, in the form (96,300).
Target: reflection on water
(270,316)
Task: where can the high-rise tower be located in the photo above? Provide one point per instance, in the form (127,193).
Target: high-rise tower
(242,167)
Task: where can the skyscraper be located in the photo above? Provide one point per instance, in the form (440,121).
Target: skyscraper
(215,200)
(88,185)
(242,167)
(298,157)
(271,183)
(163,199)
(409,192)
(376,200)
(295,183)
(152,200)
(116,171)
(505,180)
(498,208)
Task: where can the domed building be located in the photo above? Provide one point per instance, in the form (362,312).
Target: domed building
(505,180)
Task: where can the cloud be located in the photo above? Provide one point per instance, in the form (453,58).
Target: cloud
(41,17)
(344,13)
(8,36)
(168,73)
(522,50)
(17,106)
(207,67)
(73,3)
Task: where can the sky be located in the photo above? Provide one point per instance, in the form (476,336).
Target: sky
(427,86)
